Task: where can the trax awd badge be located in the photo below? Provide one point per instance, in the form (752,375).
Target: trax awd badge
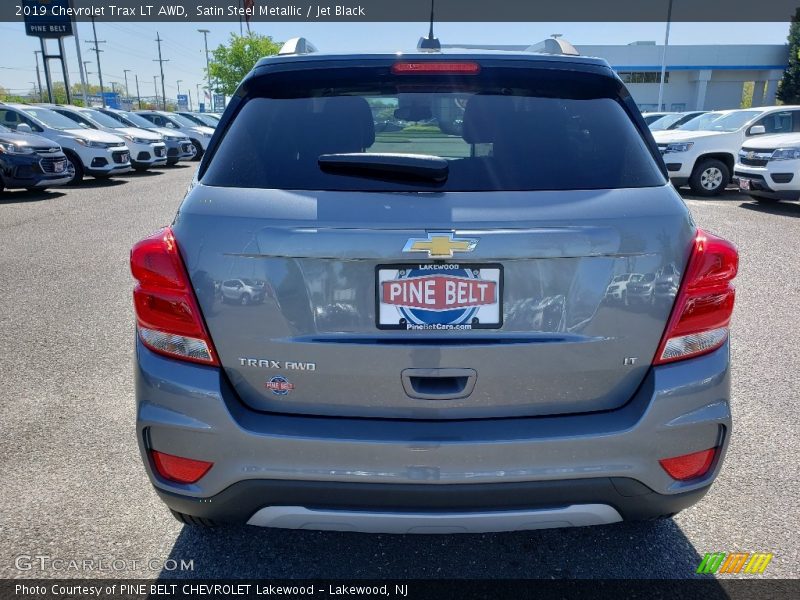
(440,245)
(266,363)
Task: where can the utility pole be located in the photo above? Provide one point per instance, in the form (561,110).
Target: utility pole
(138,95)
(37,90)
(84,87)
(97,52)
(161,62)
(127,93)
(36,54)
(155,88)
(205,33)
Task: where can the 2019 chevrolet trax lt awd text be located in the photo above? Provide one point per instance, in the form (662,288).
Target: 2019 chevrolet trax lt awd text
(438,351)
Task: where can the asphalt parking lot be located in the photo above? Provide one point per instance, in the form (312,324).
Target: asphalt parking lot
(72,486)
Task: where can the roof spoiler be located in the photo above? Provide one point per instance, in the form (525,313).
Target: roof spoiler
(554,46)
(298,45)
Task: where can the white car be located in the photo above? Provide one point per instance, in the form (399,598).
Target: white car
(768,167)
(179,147)
(243,291)
(89,151)
(702,152)
(200,135)
(147,148)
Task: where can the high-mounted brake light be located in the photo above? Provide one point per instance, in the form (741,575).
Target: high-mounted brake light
(704,304)
(178,468)
(433,67)
(689,466)
(167,314)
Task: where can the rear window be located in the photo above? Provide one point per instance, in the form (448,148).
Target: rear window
(530,131)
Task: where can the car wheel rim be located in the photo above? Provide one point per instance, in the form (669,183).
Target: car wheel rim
(711,178)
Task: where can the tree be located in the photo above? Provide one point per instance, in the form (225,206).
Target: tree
(789,90)
(231,63)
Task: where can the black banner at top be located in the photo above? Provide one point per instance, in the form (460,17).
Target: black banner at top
(406,10)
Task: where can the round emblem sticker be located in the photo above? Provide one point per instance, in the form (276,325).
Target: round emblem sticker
(279,385)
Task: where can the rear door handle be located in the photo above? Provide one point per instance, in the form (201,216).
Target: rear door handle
(438,384)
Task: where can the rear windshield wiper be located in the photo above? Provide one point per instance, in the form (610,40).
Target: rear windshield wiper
(387,165)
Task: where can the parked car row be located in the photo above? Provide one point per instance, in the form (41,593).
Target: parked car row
(709,150)
(46,145)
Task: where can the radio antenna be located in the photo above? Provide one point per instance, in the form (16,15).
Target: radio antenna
(429,43)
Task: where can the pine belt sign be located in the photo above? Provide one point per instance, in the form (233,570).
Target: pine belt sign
(47,18)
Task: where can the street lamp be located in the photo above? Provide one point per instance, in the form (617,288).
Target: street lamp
(205,33)
(127,93)
(86,70)
(664,58)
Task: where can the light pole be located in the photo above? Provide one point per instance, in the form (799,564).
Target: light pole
(127,93)
(36,54)
(664,58)
(205,33)
(86,70)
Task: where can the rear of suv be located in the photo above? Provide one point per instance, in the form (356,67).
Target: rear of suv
(437,354)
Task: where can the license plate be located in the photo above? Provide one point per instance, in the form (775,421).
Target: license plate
(439,297)
(59,166)
(744,184)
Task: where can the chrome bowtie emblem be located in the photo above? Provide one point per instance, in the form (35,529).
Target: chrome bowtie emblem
(440,245)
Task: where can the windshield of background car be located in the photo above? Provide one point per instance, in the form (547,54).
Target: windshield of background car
(206,120)
(732,121)
(102,119)
(136,120)
(180,121)
(664,122)
(700,122)
(505,129)
(53,119)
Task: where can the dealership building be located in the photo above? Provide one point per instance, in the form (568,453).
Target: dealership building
(698,77)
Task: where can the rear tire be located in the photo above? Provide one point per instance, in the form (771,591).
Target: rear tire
(198,522)
(710,177)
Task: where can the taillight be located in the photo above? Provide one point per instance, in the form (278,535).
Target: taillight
(167,315)
(436,68)
(703,307)
(689,466)
(178,468)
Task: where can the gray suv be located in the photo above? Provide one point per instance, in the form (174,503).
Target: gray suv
(437,353)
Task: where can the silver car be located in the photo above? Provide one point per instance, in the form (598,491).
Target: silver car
(437,353)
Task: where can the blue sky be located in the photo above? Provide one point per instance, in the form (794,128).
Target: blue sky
(132,45)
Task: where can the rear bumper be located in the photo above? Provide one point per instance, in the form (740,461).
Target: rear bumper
(402,466)
(416,508)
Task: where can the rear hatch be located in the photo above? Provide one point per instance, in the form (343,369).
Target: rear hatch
(374,285)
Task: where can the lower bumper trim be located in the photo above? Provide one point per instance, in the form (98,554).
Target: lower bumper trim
(242,501)
(298,517)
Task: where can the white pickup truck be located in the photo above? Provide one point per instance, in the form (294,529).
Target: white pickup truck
(702,152)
